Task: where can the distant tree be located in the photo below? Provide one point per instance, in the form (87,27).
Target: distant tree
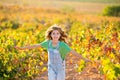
(112,11)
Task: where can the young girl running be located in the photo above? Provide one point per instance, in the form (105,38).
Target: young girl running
(57,48)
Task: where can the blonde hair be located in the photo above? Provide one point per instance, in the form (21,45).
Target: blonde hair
(63,36)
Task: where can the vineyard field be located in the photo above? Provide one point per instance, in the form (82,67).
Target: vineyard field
(94,36)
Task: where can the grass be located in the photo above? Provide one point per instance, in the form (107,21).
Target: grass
(96,1)
(77,5)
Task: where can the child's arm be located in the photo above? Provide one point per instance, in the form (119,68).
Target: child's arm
(28,47)
(76,54)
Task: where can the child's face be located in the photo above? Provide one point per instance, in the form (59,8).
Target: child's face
(55,35)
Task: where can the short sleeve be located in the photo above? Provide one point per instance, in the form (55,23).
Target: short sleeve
(44,44)
(67,49)
(64,50)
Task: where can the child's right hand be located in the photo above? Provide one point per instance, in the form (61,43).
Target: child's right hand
(16,47)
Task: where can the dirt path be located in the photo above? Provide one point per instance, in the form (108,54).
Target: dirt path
(88,73)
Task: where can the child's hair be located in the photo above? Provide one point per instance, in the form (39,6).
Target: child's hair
(63,36)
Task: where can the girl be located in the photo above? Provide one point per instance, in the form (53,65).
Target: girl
(57,50)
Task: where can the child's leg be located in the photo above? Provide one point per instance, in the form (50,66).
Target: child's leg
(51,74)
(61,75)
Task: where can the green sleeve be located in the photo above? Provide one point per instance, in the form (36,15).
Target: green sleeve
(67,49)
(64,50)
(44,44)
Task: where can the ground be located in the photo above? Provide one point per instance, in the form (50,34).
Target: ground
(88,73)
